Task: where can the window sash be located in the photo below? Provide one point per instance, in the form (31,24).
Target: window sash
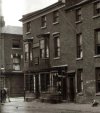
(57,46)
(78,14)
(79,46)
(28,29)
(43,21)
(44,48)
(55,16)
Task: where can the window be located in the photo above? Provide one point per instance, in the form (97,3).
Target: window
(26,46)
(79,46)
(44,48)
(55,16)
(16,62)
(97,79)
(43,21)
(15,43)
(28,27)
(79,80)
(97,41)
(97,8)
(36,60)
(78,15)
(56,46)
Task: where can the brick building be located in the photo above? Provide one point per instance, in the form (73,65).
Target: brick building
(61,50)
(11,60)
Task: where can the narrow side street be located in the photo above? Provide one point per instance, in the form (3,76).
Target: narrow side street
(17,105)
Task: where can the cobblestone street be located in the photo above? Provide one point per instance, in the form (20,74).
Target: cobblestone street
(18,105)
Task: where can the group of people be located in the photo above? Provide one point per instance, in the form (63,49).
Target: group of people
(4,95)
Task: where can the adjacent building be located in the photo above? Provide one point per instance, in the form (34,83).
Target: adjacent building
(11,60)
(61,50)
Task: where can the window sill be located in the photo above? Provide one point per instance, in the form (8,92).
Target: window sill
(96,16)
(80,94)
(97,94)
(43,27)
(17,71)
(28,33)
(45,58)
(56,58)
(16,48)
(96,56)
(54,23)
(78,22)
(79,58)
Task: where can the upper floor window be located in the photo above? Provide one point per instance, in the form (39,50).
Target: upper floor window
(78,15)
(28,27)
(97,8)
(56,46)
(15,43)
(79,46)
(43,21)
(79,80)
(44,48)
(55,16)
(26,49)
(16,62)
(97,41)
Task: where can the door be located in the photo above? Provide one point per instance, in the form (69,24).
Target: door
(71,85)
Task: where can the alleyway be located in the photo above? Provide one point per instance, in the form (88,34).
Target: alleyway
(17,105)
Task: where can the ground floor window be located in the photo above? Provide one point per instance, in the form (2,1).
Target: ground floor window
(97,70)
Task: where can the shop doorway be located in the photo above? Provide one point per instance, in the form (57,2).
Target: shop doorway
(71,87)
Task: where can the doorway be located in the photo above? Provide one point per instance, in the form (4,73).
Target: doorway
(71,84)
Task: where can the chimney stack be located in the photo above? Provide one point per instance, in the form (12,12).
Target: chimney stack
(63,1)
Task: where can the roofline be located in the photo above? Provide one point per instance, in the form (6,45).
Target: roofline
(80,3)
(36,13)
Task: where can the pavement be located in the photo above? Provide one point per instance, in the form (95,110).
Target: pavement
(17,105)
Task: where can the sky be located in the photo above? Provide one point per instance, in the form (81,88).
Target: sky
(12,10)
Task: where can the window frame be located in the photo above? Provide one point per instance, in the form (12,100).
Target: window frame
(45,50)
(78,15)
(79,43)
(16,43)
(56,17)
(96,10)
(97,45)
(43,21)
(18,57)
(28,27)
(57,47)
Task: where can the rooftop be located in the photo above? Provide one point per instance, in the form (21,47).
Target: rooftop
(12,30)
